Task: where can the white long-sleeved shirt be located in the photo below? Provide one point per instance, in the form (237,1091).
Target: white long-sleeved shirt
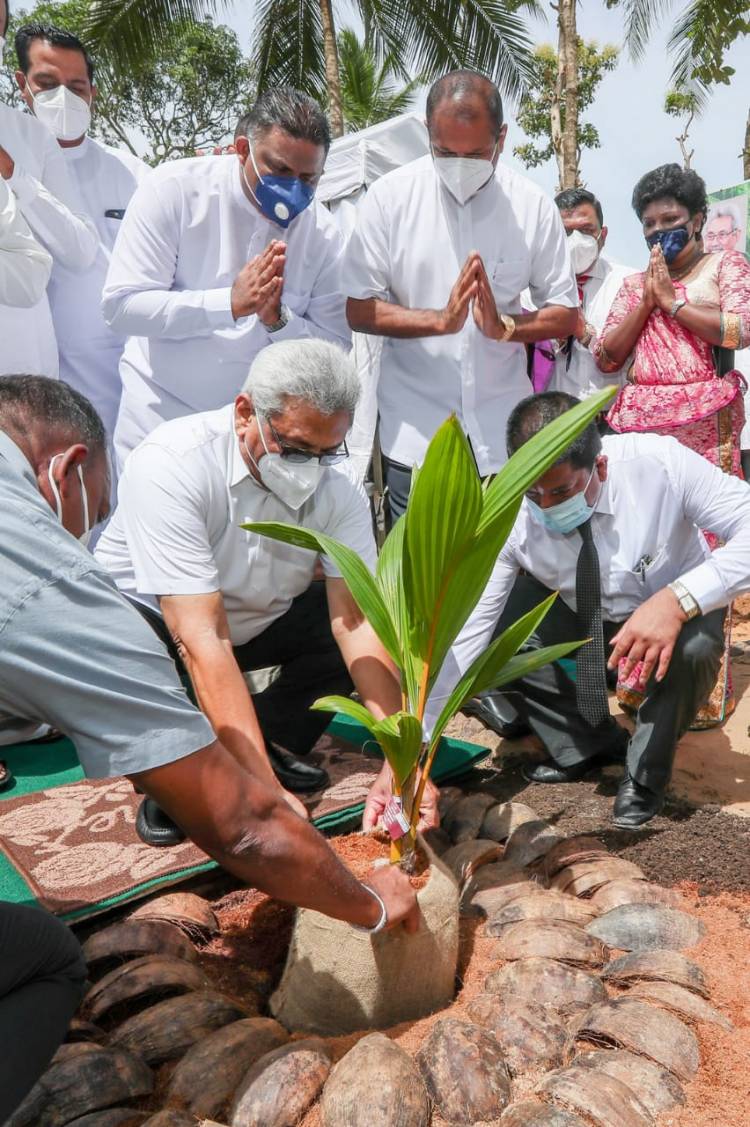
(47,200)
(657,496)
(188,232)
(105,179)
(409,244)
(581,377)
(24,265)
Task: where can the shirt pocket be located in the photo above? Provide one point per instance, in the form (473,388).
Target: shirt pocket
(653,572)
(508,277)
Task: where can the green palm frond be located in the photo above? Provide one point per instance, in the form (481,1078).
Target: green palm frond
(124,32)
(288,46)
(368,95)
(641,18)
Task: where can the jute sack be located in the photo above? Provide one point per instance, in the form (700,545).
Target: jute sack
(337,980)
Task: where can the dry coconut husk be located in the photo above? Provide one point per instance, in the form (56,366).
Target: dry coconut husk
(168,1118)
(375,1083)
(83,1084)
(339,980)
(656,1087)
(142,978)
(138,937)
(551,939)
(529,842)
(168,1029)
(464,859)
(629,891)
(657,966)
(573,850)
(529,1113)
(115,1117)
(540,905)
(584,877)
(465,1072)
(464,817)
(598,1097)
(628,1023)
(503,818)
(549,983)
(191,913)
(532,1037)
(282,1085)
(647,927)
(205,1080)
(679,1001)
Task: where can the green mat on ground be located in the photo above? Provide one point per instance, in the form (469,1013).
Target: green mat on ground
(42,767)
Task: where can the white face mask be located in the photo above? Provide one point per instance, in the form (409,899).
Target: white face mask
(292,482)
(61,111)
(464,176)
(87,529)
(584,251)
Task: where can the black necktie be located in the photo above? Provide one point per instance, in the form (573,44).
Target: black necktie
(591,678)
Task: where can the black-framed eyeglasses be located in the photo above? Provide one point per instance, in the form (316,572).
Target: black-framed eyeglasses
(297,457)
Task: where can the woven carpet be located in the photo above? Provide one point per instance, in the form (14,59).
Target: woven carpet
(69,844)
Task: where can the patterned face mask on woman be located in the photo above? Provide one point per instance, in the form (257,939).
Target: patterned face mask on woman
(671,242)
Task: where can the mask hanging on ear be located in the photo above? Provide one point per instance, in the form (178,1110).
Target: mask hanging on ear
(87,529)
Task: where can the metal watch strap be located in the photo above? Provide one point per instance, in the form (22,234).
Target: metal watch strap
(688,603)
(282,321)
(383,915)
(676,306)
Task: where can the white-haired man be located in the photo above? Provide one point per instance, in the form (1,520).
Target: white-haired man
(226,601)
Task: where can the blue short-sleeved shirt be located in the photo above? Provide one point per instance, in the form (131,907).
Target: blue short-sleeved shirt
(73,652)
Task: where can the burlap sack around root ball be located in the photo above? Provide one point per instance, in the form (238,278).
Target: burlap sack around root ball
(338,980)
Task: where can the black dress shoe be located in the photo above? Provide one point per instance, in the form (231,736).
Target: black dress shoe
(294,774)
(498,714)
(550,772)
(635,805)
(155,827)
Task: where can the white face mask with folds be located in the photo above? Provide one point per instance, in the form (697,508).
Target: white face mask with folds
(464,176)
(584,251)
(61,111)
(292,482)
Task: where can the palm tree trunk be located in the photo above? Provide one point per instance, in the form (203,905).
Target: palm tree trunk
(333,76)
(567,51)
(746,151)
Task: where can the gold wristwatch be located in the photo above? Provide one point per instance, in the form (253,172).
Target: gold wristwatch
(688,604)
(508,324)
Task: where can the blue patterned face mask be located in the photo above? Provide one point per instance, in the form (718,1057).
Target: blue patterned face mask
(567,515)
(280,198)
(671,242)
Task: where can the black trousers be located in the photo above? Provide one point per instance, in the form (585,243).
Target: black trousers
(42,975)
(301,643)
(397,480)
(547,698)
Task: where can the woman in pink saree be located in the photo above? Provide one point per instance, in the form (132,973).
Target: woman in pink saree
(673,328)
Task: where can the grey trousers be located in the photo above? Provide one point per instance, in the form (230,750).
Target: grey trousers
(547,698)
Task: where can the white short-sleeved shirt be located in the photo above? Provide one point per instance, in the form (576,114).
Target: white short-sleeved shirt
(409,244)
(182,497)
(581,376)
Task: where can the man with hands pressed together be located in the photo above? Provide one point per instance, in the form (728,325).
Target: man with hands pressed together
(218,258)
(614,528)
(455,346)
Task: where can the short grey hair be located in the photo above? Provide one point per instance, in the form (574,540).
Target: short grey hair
(291,110)
(315,371)
(28,403)
(726,210)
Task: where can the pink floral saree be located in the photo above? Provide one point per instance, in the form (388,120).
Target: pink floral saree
(673,389)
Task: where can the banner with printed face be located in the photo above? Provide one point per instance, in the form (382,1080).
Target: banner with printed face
(728,223)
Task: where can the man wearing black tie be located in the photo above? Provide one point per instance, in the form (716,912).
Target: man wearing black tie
(614,528)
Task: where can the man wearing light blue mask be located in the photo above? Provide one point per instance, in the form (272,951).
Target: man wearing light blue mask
(218,258)
(613,527)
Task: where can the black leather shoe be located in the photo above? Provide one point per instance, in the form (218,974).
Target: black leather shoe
(155,827)
(635,805)
(550,772)
(294,774)
(498,714)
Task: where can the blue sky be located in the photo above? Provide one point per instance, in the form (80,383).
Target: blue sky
(636,134)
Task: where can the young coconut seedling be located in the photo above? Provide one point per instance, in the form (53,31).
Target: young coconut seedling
(431,572)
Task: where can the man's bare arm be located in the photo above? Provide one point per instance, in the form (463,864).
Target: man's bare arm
(251,831)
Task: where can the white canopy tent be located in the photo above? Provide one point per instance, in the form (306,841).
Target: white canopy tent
(354,163)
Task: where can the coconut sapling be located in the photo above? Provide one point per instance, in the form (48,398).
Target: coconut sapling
(430,575)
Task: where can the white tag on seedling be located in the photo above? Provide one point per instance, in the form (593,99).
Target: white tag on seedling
(394,819)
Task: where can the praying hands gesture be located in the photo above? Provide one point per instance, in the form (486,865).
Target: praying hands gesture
(453,318)
(259,285)
(486,317)
(658,289)
(649,635)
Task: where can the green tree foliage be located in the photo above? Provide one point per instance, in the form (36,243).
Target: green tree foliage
(541,106)
(368,92)
(295,40)
(186,98)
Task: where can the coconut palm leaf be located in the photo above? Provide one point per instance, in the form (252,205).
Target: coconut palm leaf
(126,31)
(368,95)
(288,46)
(641,17)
